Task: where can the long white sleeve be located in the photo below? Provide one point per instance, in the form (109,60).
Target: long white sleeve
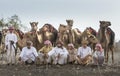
(22,52)
(35,52)
(90,51)
(102,53)
(51,52)
(95,54)
(78,52)
(9,37)
(64,51)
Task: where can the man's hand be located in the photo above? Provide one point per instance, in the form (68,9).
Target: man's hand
(37,58)
(41,52)
(58,55)
(19,58)
(12,42)
(78,56)
(6,47)
(46,55)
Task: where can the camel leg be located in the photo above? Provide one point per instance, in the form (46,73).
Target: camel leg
(112,57)
(107,51)
(105,54)
(112,51)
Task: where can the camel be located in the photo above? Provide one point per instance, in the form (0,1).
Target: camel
(92,39)
(34,26)
(31,35)
(19,33)
(2,44)
(63,34)
(92,31)
(47,32)
(69,35)
(106,37)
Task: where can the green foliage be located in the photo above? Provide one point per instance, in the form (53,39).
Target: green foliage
(13,20)
(2,22)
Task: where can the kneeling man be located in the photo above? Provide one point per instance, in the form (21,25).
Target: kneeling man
(59,54)
(28,54)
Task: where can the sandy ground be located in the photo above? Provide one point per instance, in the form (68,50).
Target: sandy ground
(66,70)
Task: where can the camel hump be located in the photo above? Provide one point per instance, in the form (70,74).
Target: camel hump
(112,35)
(77,30)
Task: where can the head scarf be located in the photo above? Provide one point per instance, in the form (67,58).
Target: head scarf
(48,42)
(71,45)
(99,45)
(11,28)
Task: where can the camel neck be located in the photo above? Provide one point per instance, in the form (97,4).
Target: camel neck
(102,31)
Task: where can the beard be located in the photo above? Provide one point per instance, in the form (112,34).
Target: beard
(28,47)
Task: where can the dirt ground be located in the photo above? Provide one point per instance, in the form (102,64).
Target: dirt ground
(66,70)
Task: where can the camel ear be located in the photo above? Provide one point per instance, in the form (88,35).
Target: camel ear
(110,23)
(67,21)
(31,23)
(100,21)
(60,24)
(37,23)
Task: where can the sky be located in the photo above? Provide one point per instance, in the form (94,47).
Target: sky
(85,13)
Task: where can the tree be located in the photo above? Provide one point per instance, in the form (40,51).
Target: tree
(2,22)
(15,21)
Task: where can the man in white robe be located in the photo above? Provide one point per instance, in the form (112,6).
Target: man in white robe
(28,54)
(59,54)
(10,43)
(84,55)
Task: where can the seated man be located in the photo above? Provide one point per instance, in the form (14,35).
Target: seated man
(59,54)
(72,53)
(43,55)
(28,54)
(84,53)
(98,55)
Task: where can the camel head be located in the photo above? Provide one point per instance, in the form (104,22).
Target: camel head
(47,27)
(62,28)
(4,30)
(92,39)
(69,23)
(104,24)
(87,31)
(34,26)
